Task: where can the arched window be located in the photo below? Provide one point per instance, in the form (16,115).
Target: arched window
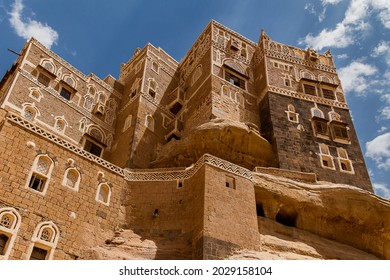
(40,174)
(345,164)
(325,79)
(102,98)
(307,75)
(9,224)
(49,66)
(83,124)
(326,159)
(333,116)
(70,81)
(36,94)
(29,113)
(72,178)
(44,241)
(155,66)
(292,116)
(97,134)
(103,194)
(315,112)
(225,91)
(149,122)
(60,124)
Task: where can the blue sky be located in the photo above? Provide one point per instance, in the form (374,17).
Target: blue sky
(97,36)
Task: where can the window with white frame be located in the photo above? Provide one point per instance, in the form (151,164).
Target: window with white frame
(35,94)
(326,159)
(149,122)
(88,102)
(72,178)
(345,163)
(10,221)
(103,194)
(40,173)
(292,116)
(29,113)
(155,67)
(152,88)
(60,124)
(44,241)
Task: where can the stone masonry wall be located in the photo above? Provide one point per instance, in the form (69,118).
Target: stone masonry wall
(82,221)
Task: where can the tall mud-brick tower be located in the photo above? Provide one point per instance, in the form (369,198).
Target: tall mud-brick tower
(304,114)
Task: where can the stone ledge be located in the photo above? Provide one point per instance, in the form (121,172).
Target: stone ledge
(294,175)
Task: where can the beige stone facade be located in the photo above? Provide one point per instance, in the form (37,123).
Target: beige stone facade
(170,149)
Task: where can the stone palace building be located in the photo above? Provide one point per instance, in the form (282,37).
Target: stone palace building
(186,153)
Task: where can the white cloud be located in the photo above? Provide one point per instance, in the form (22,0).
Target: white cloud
(385,113)
(384,15)
(379,150)
(382,49)
(354,77)
(340,37)
(310,8)
(381,189)
(356,20)
(382,129)
(331,2)
(342,56)
(31,28)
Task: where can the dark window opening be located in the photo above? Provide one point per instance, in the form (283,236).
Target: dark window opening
(234,80)
(344,166)
(325,163)
(3,243)
(65,93)
(38,254)
(93,148)
(287,218)
(152,93)
(133,93)
(309,89)
(37,182)
(321,127)
(176,108)
(328,94)
(340,131)
(43,79)
(230,182)
(260,210)
(180,184)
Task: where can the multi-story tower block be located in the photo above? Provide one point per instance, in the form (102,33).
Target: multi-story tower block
(304,114)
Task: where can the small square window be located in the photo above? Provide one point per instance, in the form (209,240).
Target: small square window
(93,148)
(38,254)
(37,182)
(230,182)
(309,89)
(65,93)
(180,184)
(43,79)
(328,94)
